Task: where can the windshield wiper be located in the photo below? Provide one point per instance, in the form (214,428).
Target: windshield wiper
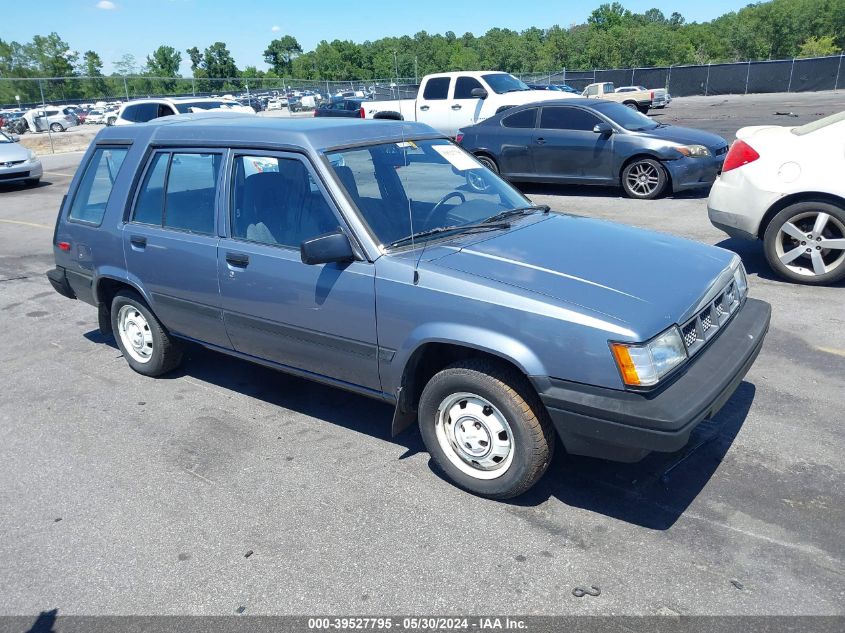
(482,226)
(509,213)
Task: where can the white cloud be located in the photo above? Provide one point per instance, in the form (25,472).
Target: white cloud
(276,28)
(106,5)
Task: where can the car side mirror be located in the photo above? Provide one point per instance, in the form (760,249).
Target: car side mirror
(603,128)
(327,248)
(478,93)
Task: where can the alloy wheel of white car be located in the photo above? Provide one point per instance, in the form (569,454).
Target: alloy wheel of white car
(806,242)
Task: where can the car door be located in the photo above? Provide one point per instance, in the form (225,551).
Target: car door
(566,148)
(319,319)
(463,107)
(170,242)
(515,137)
(433,105)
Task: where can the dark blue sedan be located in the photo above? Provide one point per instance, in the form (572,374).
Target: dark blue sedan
(595,142)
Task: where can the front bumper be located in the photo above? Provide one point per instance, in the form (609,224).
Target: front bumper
(692,173)
(626,426)
(19,173)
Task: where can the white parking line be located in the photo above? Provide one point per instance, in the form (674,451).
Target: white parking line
(58,173)
(831,350)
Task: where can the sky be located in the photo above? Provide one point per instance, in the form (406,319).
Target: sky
(115,27)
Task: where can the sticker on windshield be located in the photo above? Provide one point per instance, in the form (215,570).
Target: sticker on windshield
(460,160)
(406,144)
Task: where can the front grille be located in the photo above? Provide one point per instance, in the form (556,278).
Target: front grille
(12,163)
(20,174)
(704,325)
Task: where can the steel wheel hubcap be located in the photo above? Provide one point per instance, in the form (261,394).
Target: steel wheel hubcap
(474,435)
(135,334)
(811,243)
(643,178)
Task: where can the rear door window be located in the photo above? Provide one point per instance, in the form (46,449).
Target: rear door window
(179,192)
(92,196)
(523,119)
(436,89)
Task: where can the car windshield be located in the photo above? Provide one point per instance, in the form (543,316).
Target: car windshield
(420,186)
(503,82)
(624,116)
(819,124)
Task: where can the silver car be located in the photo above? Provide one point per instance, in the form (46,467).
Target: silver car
(17,163)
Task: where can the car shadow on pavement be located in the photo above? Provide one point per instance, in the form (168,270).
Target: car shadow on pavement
(596,191)
(654,492)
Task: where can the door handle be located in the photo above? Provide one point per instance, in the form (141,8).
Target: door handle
(456,106)
(237,259)
(138,242)
(540,141)
(424,108)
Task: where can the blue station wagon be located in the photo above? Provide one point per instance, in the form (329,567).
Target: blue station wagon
(379,257)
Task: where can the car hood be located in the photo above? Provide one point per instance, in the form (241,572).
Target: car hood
(686,135)
(642,279)
(12,152)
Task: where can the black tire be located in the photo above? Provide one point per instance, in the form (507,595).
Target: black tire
(802,215)
(631,104)
(57,127)
(646,190)
(488,162)
(165,353)
(389,116)
(532,438)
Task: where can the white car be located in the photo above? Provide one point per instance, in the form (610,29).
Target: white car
(95,116)
(143,110)
(785,186)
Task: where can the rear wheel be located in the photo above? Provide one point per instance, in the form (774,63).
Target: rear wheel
(631,104)
(644,178)
(488,162)
(146,345)
(805,242)
(485,428)
(57,127)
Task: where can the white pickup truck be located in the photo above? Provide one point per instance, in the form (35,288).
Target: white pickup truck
(450,101)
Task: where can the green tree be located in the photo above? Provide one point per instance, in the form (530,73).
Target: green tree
(281,52)
(164,62)
(818,47)
(126,65)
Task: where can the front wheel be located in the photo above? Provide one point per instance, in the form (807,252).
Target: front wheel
(644,179)
(805,242)
(485,428)
(146,345)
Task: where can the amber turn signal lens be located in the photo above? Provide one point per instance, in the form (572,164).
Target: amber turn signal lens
(625,364)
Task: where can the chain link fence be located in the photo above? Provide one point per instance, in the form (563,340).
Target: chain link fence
(791,75)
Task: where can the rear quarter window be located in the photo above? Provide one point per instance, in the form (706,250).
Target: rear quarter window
(92,195)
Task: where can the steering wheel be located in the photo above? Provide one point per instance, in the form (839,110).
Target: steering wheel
(439,205)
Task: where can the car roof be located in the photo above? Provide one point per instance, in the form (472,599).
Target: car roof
(234,129)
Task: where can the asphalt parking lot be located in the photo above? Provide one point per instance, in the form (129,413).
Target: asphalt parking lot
(128,495)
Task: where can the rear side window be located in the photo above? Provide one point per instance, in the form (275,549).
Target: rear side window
(436,89)
(89,203)
(178,192)
(523,119)
(563,118)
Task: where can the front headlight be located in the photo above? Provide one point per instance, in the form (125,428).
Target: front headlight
(693,151)
(33,157)
(644,364)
